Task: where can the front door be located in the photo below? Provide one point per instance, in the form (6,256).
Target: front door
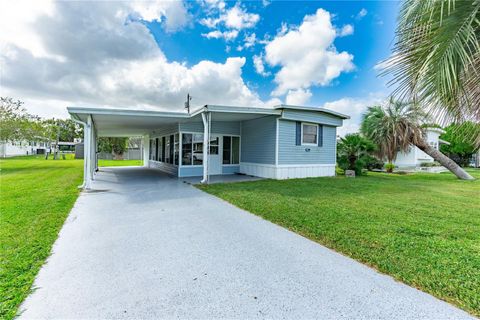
(215,156)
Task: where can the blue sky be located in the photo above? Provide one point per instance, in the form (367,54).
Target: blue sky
(370,42)
(150,54)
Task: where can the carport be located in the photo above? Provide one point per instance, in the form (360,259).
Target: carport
(114,122)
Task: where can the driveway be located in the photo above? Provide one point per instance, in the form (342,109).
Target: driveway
(145,245)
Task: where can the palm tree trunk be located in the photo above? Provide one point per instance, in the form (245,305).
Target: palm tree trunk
(444,161)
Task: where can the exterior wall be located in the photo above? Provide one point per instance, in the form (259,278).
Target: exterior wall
(258,140)
(7,149)
(312,116)
(289,153)
(415,156)
(230,169)
(287,171)
(220,127)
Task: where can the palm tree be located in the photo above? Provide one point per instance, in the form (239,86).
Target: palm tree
(398,125)
(352,148)
(436,58)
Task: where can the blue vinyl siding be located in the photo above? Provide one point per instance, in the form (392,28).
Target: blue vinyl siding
(258,140)
(219,127)
(230,169)
(312,116)
(290,153)
(164,130)
(190,171)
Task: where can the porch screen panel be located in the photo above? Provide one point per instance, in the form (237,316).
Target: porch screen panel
(164,146)
(186,149)
(176,149)
(167,150)
(160,149)
(197,154)
(227,152)
(171,149)
(235,150)
(156,149)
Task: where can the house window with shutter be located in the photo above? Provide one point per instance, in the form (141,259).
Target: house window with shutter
(309,134)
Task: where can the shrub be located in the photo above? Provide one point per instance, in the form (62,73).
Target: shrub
(430,164)
(389,167)
(372,163)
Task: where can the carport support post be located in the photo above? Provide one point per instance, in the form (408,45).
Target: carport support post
(206,140)
(88,152)
(146,150)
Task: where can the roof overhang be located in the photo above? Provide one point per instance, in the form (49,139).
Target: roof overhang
(115,122)
(110,122)
(316,109)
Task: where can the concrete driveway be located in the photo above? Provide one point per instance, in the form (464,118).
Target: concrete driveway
(145,245)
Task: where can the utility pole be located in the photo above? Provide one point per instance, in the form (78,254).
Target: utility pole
(187,103)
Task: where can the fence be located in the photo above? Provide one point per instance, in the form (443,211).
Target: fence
(130,154)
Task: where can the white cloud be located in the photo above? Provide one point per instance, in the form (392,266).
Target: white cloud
(298,97)
(362,13)
(307,55)
(353,107)
(227,35)
(174,12)
(232,20)
(238,18)
(346,30)
(259,66)
(95,55)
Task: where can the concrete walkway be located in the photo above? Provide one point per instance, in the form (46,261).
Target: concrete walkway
(146,245)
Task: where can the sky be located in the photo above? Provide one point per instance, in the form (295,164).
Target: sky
(150,54)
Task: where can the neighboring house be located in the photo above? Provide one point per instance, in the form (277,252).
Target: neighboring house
(279,143)
(22,148)
(414,157)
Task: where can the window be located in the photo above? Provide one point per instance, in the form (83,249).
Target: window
(231,150)
(159,149)
(167,150)
(172,149)
(197,149)
(156,150)
(176,150)
(192,149)
(186,149)
(164,147)
(213,145)
(309,134)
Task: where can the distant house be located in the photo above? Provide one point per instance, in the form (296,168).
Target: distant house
(22,148)
(415,157)
(279,143)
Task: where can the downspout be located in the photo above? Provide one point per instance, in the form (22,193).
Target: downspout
(206,139)
(85,126)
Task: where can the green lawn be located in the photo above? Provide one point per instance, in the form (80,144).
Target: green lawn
(423,229)
(35,198)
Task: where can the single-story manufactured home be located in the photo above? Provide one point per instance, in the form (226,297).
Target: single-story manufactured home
(279,143)
(415,157)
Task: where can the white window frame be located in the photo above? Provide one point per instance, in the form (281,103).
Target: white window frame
(301,134)
(231,154)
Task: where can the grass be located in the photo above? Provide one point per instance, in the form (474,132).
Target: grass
(422,229)
(36,196)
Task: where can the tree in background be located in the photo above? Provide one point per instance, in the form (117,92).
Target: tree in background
(396,127)
(16,124)
(62,130)
(436,58)
(460,149)
(115,146)
(353,152)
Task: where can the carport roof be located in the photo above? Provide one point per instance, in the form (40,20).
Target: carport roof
(135,122)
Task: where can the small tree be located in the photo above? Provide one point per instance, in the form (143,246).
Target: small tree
(353,151)
(16,124)
(114,145)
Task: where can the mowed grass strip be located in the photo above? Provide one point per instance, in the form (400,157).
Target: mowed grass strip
(423,229)
(36,196)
